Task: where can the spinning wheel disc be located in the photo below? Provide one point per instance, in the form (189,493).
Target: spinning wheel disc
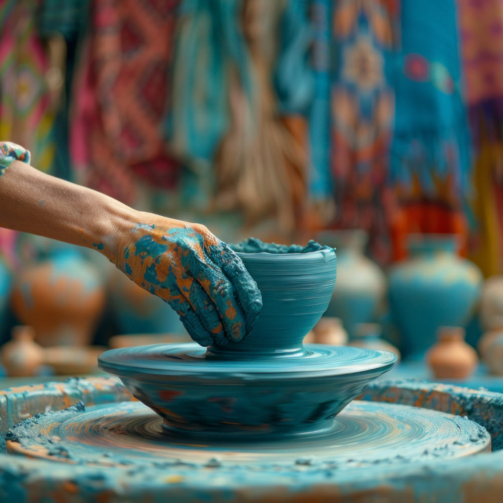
(364,433)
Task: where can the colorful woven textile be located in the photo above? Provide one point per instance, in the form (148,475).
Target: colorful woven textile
(431,136)
(209,37)
(481,24)
(261,164)
(320,183)
(26,109)
(122,95)
(362,107)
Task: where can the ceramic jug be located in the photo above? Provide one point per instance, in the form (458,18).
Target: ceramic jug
(361,285)
(451,357)
(368,336)
(61,297)
(432,288)
(21,356)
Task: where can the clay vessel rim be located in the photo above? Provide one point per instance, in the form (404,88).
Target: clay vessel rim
(328,250)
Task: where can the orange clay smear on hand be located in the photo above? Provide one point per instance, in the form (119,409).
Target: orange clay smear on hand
(198,275)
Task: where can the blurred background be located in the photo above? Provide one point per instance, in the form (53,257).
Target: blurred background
(371,125)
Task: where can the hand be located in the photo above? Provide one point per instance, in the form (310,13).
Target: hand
(198,275)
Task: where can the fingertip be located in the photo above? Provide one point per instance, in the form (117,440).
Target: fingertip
(255,305)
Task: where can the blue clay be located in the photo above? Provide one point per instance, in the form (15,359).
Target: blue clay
(296,285)
(446,474)
(365,434)
(201,394)
(254,245)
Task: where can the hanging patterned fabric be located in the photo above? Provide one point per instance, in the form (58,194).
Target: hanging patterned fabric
(319,117)
(64,22)
(27,106)
(362,107)
(261,165)
(481,25)
(430,153)
(122,94)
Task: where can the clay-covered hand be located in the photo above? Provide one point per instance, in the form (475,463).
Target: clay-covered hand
(200,277)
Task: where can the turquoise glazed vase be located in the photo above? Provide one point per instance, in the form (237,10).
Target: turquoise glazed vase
(361,285)
(432,288)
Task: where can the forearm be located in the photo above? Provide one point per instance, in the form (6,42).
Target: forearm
(31,201)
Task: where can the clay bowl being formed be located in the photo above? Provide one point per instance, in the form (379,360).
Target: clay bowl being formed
(296,284)
(269,384)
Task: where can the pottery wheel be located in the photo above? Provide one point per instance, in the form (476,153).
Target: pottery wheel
(364,433)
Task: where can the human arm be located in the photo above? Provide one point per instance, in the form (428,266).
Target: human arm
(183,263)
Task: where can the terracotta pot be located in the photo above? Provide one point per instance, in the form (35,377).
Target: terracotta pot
(330,331)
(21,356)
(451,357)
(61,297)
(491,303)
(368,336)
(138,311)
(431,289)
(361,285)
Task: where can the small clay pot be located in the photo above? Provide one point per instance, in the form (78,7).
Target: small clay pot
(330,331)
(310,338)
(368,336)
(491,345)
(494,327)
(451,357)
(22,357)
(491,302)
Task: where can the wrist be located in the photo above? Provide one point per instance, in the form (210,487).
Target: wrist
(112,232)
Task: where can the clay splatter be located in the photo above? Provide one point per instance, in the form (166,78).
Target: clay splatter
(364,435)
(10,152)
(471,478)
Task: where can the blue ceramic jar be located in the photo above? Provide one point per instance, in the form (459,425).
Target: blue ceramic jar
(361,285)
(433,288)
